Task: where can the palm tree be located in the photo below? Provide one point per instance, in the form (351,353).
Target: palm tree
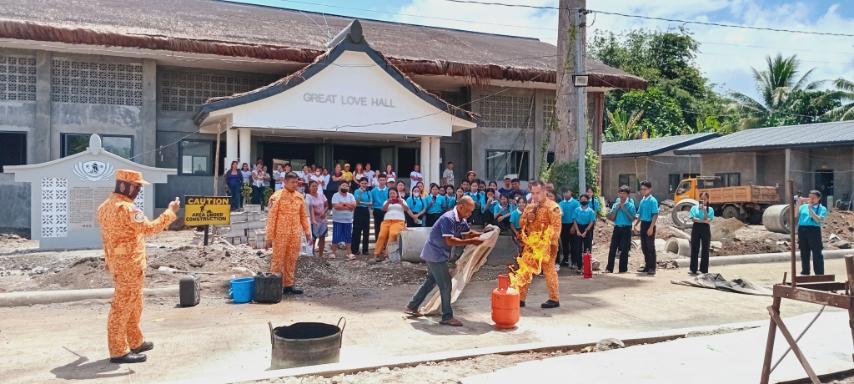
(622,126)
(774,83)
(845,92)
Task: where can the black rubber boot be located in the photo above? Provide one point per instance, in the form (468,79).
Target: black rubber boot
(146,346)
(130,358)
(292,290)
(521,303)
(550,304)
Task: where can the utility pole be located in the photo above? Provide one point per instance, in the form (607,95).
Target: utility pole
(570,103)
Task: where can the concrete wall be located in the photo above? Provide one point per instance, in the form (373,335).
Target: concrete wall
(838,159)
(15,212)
(485,138)
(741,162)
(771,170)
(655,169)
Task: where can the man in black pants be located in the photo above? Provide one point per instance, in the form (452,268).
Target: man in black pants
(701,233)
(647,217)
(810,218)
(622,214)
(361,218)
(379,195)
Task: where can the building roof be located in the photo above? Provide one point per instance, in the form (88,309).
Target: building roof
(261,32)
(650,147)
(349,39)
(837,133)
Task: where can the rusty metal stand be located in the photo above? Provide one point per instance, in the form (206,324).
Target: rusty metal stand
(819,289)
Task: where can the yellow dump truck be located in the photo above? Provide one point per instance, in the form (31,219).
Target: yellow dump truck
(744,202)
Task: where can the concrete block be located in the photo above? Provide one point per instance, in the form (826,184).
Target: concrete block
(252,208)
(239,217)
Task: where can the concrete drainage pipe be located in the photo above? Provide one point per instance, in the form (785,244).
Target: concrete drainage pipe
(679,214)
(678,246)
(776,219)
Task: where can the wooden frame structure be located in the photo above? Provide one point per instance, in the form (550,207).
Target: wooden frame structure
(819,289)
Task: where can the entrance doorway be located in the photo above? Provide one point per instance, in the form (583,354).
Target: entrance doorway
(353,154)
(824,184)
(279,153)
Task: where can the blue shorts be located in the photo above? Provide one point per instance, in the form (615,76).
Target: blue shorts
(342,233)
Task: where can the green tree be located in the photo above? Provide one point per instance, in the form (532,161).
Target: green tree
(622,125)
(661,113)
(666,61)
(844,91)
(775,84)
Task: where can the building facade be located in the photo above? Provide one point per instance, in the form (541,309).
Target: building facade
(140,83)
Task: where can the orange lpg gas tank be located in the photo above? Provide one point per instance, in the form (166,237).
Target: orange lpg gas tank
(505,304)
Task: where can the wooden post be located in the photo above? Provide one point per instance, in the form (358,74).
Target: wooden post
(792,225)
(216,165)
(849,269)
(207,231)
(769,344)
(566,138)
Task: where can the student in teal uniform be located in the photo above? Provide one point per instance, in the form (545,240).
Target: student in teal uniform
(515,217)
(418,206)
(435,204)
(622,214)
(810,216)
(647,218)
(583,221)
(361,218)
(701,233)
(567,208)
(479,202)
(501,212)
(379,195)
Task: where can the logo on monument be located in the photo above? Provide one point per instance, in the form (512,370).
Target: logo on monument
(93,170)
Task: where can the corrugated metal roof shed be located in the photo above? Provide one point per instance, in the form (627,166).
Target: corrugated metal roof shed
(837,133)
(649,147)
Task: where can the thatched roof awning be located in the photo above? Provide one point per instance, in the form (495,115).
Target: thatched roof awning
(268,33)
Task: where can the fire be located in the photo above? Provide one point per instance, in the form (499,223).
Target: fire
(535,249)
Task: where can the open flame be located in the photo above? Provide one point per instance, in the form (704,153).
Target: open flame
(535,249)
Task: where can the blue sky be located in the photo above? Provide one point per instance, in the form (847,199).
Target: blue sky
(726,54)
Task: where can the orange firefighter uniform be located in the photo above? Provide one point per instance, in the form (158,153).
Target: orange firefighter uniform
(287,224)
(123,227)
(537,218)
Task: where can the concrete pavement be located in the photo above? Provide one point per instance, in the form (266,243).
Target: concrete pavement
(58,342)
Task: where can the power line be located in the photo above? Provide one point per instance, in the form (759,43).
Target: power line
(621,14)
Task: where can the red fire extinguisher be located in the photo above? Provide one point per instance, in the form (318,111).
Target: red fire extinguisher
(588,265)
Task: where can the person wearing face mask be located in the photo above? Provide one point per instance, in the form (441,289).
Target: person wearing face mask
(583,228)
(343,205)
(810,216)
(622,214)
(123,227)
(701,233)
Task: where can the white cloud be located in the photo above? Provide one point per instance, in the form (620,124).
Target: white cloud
(726,53)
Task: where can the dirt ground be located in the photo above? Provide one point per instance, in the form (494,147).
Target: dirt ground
(23,268)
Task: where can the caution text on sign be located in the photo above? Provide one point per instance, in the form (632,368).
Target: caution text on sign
(206,210)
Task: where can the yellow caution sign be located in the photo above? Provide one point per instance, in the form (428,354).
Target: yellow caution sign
(207,210)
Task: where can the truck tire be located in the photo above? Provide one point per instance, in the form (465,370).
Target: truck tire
(730,211)
(682,221)
(776,219)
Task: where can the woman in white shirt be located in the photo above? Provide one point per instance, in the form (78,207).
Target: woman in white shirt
(393,223)
(279,176)
(389,172)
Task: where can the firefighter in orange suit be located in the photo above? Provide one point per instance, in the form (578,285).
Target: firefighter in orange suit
(123,227)
(543,213)
(287,222)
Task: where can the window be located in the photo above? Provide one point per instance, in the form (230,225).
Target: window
(72,143)
(628,179)
(500,163)
(14,148)
(185,91)
(505,112)
(673,181)
(730,179)
(18,78)
(197,157)
(96,82)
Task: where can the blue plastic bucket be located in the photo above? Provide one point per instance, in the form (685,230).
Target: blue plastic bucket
(242,290)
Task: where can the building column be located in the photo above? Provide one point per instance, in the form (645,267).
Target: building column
(425,160)
(41,145)
(148,135)
(436,158)
(245,154)
(230,146)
